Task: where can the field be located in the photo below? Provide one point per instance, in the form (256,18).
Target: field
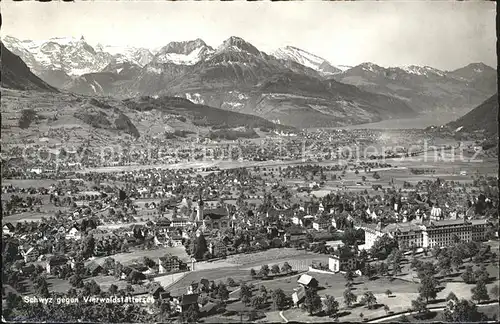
(28,183)
(130,257)
(238,267)
(271,254)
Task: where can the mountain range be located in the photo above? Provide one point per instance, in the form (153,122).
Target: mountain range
(32,110)
(290,86)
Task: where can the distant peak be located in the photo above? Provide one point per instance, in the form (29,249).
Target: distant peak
(370,66)
(235,39)
(235,42)
(479,66)
(183,47)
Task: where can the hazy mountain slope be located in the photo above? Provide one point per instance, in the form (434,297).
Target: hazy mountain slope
(15,73)
(482,118)
(424,88)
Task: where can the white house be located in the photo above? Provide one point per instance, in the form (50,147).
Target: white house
(74,234)
(8,228)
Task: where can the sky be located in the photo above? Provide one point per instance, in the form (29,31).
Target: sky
(442,34)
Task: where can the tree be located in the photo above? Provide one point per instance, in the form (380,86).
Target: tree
(91,288)
(386,309)
(404,319)
(263,291)
(312,301)
(457,256)
(388,292)
(275,269)
(148,262)
(428,288)
(279,299)
(368,270)
(264,270)
(468,275)
(230,282)
(369,299)
(41,287)
(331,306)
(436,251)
(200,247)
(451,297)
(76,281)
(350,237)
(382,268)
(256,302)
(252,272)
(349,297)
(494,291)
(88,246)
(245,293)
(479,292)
(349,275)
(361,315)
(286,268)
(222,292)
(482,274)
(419,305)
(108,264)
(444,264)
(383,246)
(463,311)
(191,315)
(426,269)
(113,289)
(396,267)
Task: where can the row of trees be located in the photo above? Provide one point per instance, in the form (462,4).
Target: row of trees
(264,271)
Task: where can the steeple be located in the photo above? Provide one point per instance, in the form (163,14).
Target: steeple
(199,213)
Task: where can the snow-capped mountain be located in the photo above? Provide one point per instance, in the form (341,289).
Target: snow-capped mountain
(305,58)
(422,70)
(72,55)
(122,54)
(184,53)
(238,76)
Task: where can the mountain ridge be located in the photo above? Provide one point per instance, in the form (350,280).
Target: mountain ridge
(231,77)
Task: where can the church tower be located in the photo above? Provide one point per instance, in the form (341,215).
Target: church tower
(199,212)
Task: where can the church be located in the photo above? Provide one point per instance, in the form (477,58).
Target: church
(214,218)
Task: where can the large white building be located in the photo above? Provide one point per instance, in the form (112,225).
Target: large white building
(434,233)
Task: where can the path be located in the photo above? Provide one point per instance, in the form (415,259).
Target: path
(438,309)
(283,317)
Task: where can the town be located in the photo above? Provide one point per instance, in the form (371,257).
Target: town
(231,162)
(272,239)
